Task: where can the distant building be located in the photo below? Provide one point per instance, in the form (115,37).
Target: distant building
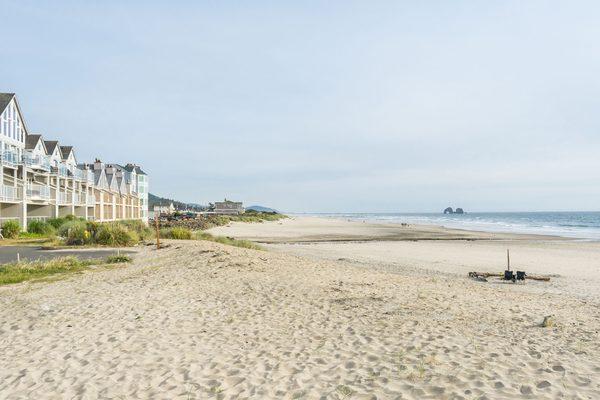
(161,209)
(228,207)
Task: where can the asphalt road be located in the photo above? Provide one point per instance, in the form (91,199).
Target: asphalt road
(9,253)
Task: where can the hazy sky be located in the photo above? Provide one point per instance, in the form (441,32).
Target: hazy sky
(322,106)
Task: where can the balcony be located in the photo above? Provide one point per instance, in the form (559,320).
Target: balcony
(9,159)
(79,199)
(36,162)
(9,193)
(79,174)
(39,218)
(63,170)
(63,198)
(38,192)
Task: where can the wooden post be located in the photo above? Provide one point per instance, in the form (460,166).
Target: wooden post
(157,233)
(508,258)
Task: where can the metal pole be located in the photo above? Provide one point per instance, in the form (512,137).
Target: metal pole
(508,258)
(157,232)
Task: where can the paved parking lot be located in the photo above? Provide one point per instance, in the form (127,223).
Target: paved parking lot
(9,253)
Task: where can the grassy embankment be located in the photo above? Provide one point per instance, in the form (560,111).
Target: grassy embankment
(72,231)
(55,268)
(195,229)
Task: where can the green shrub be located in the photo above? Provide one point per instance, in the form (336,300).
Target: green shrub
(143,231)
(11,229)
(29,235)
(118,258)
(92,227)
(75,232)
(56,222)
(176,233)
(115,234)
(71,217)
(41,228)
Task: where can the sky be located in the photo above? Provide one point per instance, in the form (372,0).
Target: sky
(330,106)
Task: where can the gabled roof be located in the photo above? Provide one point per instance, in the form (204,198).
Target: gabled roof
(111,179)
(121,184)
(32,140)
(5,98)
(136,168)
(99,177)
(65,151)
(50,145)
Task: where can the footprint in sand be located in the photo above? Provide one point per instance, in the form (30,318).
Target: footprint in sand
(543,384)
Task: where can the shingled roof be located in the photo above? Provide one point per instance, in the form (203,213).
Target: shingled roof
(5,98)
(65,151)
(131,167)
(50,145)
(31,141)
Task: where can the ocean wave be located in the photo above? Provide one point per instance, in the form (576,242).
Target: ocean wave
(583,225)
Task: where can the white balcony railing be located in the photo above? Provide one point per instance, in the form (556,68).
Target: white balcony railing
(37,218)
(35,191)
(79,199)
(9,193)
(79,174)
(36,162)
(63,170)
(9,158)
(63,198)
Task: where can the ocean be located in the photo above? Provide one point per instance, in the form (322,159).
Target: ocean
(582,225)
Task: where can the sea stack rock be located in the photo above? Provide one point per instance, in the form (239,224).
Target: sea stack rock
(449,210)
(459,211)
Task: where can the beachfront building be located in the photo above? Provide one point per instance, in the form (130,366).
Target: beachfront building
(228,207)
(164,209)
(42,179)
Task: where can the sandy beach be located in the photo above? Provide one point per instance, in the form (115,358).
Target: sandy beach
(331,310)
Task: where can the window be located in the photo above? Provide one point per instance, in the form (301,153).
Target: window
(10,123)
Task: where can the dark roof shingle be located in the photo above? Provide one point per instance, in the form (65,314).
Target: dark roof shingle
(50,145)
(65,151)
(31,141)
(5,98)
(131,167)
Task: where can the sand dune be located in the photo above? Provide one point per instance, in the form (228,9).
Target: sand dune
(200,320)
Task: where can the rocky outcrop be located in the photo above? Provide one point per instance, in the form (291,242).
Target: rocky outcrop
(449,210)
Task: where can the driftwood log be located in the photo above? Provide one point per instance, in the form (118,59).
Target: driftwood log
(501,275)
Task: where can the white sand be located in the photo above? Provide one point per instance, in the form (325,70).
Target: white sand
(200,320)
(575,264)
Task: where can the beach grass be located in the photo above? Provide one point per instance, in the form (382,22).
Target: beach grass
(179,233)
(118,258)
(246,244)
(33,270)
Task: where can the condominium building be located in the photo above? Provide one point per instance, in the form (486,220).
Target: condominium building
(228,207)
(42,179)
